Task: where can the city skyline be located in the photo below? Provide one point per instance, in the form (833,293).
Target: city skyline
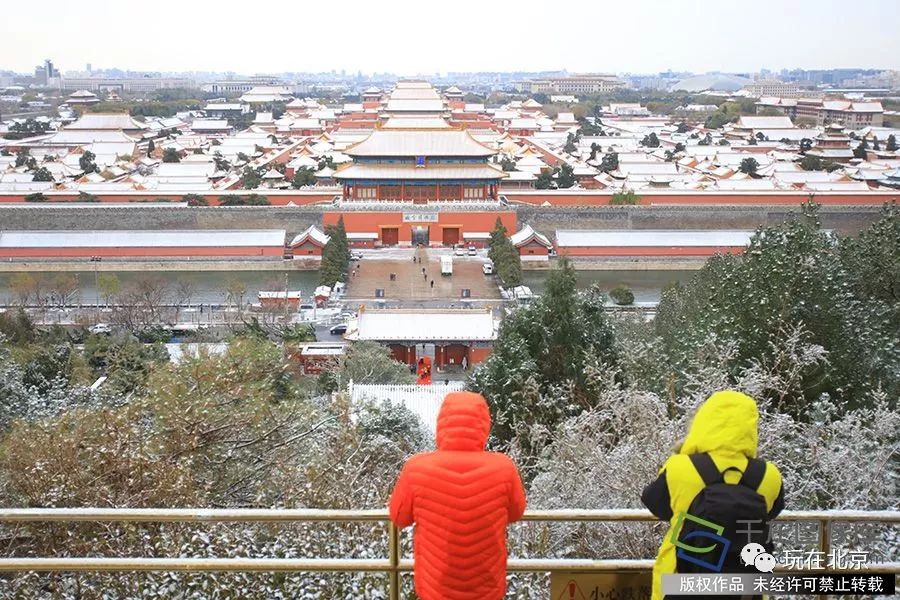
(644,37)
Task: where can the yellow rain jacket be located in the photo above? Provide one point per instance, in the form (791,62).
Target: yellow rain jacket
(725,427)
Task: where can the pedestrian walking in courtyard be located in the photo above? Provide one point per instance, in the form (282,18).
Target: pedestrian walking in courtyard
(715,476)
(461,498)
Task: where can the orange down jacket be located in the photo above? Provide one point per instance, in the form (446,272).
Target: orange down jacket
(460,498)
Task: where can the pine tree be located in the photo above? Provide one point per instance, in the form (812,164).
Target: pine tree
(545,181)
(792,280)
(335,255)
(170,155)
(566,177)
(42,174)
(502,252)
(749,166)
(86,162)
(544,348)
(497,235)
(650,141)
(610,162)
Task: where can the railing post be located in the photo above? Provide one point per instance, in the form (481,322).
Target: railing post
(824,543)
(394,560)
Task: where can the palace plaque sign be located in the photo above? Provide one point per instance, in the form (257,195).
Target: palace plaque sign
(420,217)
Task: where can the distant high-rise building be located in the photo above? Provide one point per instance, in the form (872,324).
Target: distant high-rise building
(44,74)
(89,69)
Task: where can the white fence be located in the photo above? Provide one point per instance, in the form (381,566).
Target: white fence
(423,400)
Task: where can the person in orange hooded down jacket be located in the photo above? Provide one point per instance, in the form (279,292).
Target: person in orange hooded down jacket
(461,499)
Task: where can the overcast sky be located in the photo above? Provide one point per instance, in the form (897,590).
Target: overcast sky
(424,36)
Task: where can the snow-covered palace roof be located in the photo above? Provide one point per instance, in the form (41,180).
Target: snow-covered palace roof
(142,238)
(312,233)
(652,238)
(527,234)
(423,326)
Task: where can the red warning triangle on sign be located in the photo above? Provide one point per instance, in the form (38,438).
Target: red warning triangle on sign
(572,592)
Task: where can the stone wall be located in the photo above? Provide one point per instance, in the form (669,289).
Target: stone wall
(547,220)
(293,219)
(844,220)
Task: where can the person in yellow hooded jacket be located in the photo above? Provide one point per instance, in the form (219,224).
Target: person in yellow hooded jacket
(725,428)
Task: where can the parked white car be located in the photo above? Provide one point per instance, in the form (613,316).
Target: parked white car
(100,328)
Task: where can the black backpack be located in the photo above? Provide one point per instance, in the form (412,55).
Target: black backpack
(730,506)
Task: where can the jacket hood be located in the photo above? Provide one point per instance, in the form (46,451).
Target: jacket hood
(463,422)
(726,423)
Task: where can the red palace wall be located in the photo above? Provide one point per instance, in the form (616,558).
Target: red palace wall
(442,354)
(377,222)
(292,303)
(307,248)
(477,355)
(137,252)
(533,249)
(649,251)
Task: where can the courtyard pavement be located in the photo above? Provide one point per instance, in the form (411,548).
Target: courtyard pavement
(413,279)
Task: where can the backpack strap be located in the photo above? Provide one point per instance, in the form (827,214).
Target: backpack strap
(754,473)
(707,469)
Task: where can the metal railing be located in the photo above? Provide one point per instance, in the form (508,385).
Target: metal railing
(392,565)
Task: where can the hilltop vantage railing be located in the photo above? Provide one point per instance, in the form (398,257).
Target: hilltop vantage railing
(392,565)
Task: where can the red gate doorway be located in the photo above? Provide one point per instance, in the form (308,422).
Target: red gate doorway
(450,236)
(390,236)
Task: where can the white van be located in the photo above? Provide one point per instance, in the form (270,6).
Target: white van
(446,265)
